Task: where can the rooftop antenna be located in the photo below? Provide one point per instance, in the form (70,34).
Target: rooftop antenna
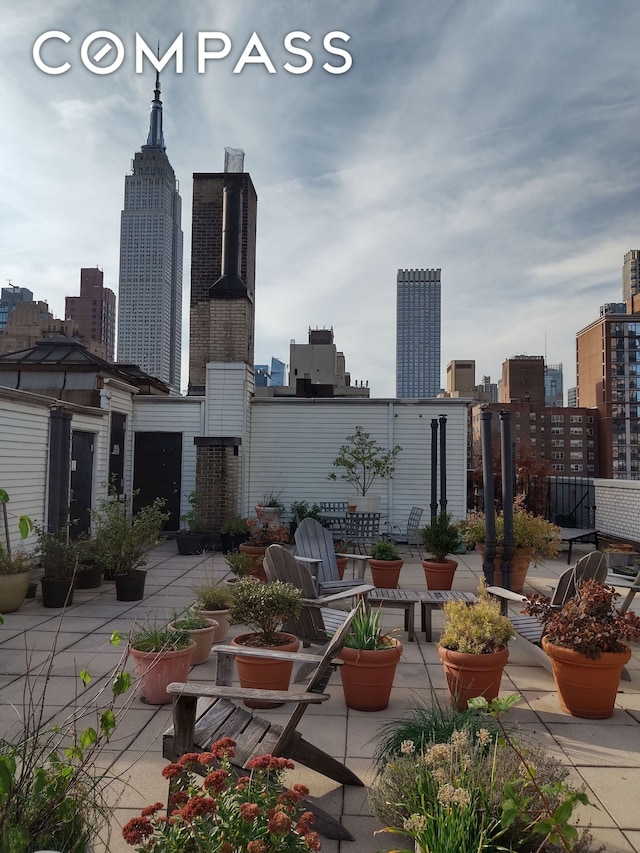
(9,282)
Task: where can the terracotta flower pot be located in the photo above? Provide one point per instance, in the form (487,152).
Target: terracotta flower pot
(519,566)
(367,676)
(385,573)
(469,676)
(439,575)
(586,687)
(223,618)
(342,565)
(155,670)
(260,673)
(256,552)
(13,590)
(203,639)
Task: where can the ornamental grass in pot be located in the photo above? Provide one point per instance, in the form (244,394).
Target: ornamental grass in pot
(369,661)
(201,630)
(586,640)
(385,564)
(440,538)
(264,607)
(473,647)
(160,656)
(213,601)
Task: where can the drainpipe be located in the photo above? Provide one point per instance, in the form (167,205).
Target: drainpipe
(443,463)
(507,498)
(434,469)
(488,565)
(390,444)
(59,470)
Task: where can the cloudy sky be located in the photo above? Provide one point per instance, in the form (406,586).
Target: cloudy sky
(495,139)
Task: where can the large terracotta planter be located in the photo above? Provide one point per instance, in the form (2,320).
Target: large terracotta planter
(469,676)
(439,575)
(519,566)
(385,573)
(586,687)
(13,591)
(367,676)
(154,671)
(264,674)
(256,552)
(203,639)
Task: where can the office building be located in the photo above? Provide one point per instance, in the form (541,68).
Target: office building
(608,373)
(418,333)
(572,397)
(553,387)
(150,287)
(631,274)
(461,378)
(9,298)
(94,311)
(278,372)
(522,380)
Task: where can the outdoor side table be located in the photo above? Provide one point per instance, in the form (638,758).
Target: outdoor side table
(433,599)
(401,599)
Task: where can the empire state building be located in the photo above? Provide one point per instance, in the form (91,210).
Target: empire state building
(150,284)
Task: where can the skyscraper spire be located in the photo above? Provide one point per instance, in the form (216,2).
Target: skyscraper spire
(155,139)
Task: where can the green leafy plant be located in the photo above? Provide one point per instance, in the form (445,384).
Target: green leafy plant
(478,628)
(211,595)
(529,531)
(224,813)
(58,553)
(588,623)
(193,621)
(303,509)
(385,551)
(52,794)
(363,460)
(151,637)
(235,526)
(124,538)
(441,537)
(13,563)
(366,631)
(240,564)
(263,607)
(193,519)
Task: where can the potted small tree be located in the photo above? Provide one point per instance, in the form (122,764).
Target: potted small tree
(160,656)
(369,660)
(124,540)
(194,538)
(473,647)
(59,555)
(233,533)
(213,601)
(385,564)
(362,461)
(440,538)
(202,631)
(263,607)
(16,565)
(585,640)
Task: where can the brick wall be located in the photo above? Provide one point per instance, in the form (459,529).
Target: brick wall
(218,484)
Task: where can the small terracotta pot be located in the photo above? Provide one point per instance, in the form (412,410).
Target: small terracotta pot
(367,676)
(469,676)
(262,673)
(223,618)
(385,573)
(341,562)
(156,670)
(256,552)
(439,575)
(203,639)
(586,687)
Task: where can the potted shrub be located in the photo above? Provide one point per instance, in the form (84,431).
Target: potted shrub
(124,540)
(385,564)
(233,533)
(194,538)
(362,461)
(535,538)
(473,647)
(440,538)
(89,573)
(59,556)
(369,660)
(263,607)
(301,510)
(202,631)
(262,533)
(271,506)
(160,656)
(213,601)
(585,640)
(16,566)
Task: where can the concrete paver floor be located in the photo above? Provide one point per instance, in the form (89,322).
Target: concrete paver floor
(603,755)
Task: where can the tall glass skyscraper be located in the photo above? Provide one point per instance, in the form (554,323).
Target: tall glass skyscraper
(150,287)
(418,333)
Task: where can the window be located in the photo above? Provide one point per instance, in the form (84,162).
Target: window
(557,467)
(557,442)
(558,419)
(558,455)
(576,419)
(576,468)
(557,430)
(576,430)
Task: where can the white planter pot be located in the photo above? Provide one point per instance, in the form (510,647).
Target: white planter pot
(366,503)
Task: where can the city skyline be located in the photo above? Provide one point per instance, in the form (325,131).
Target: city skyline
(494,141)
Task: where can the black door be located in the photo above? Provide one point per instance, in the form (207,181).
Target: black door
(81,482)
(116,452)
(157,472)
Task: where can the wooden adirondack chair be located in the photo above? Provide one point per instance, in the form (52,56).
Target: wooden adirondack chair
(317,622)
(528,628)
(197,724)
(314,545)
